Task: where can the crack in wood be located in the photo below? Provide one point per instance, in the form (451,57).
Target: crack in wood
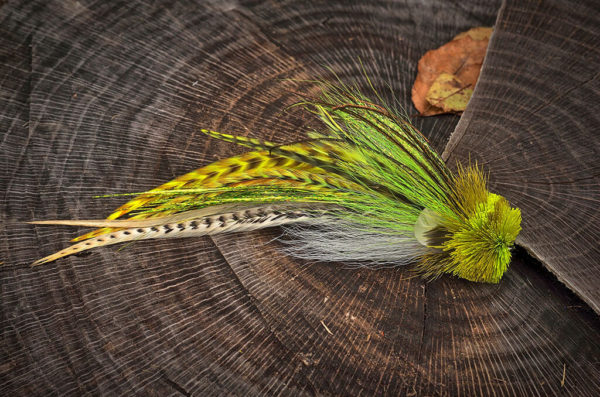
(550,101)
(175,385)
(423,329)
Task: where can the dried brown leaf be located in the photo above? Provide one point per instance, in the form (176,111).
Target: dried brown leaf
(449,94)
(461,58)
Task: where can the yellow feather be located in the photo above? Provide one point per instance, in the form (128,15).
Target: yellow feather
(253,168)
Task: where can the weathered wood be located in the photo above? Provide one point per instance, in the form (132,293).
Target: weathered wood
(534,123)
(107,98)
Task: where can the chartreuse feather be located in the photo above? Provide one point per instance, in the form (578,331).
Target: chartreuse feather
(373,176)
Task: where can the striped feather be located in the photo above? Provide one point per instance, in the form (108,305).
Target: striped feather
(254,168)
(383,197)
(227,222)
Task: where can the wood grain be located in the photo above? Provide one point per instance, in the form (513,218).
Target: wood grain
(533,122)
(107,97)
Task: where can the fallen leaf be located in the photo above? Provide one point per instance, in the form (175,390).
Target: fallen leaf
(480,33)
(460,58)
(449,94)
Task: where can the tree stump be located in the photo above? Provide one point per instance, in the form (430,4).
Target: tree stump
(103,98)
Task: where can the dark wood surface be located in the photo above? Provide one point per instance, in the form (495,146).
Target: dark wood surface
(534,121)
(107,97)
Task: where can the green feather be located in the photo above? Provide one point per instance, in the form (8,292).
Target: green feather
(375,179)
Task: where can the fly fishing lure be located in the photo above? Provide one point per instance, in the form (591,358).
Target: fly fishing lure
(367,189)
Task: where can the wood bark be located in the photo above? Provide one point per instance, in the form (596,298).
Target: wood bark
(108,97)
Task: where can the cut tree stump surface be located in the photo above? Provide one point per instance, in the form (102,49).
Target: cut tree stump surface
(108,97)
